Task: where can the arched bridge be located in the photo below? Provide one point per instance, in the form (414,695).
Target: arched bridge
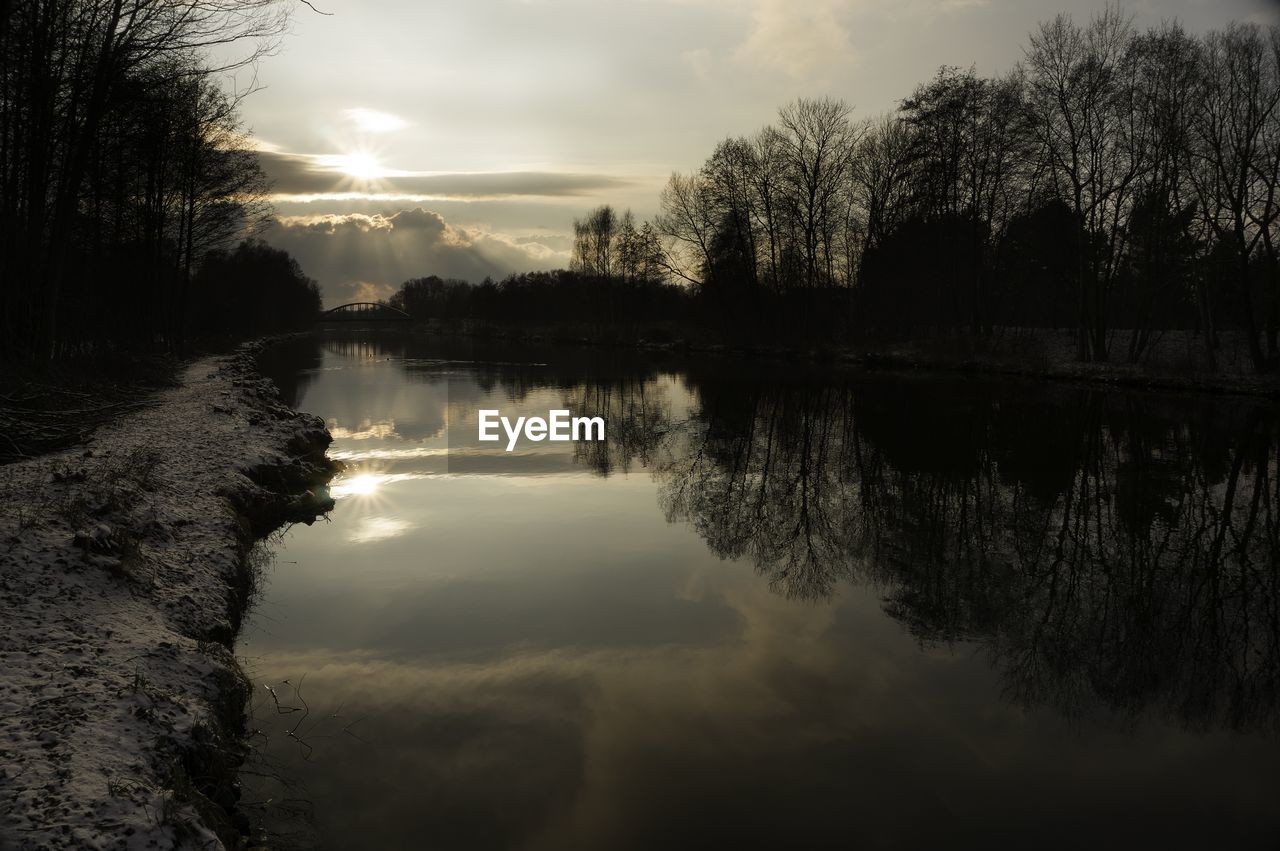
(364,311)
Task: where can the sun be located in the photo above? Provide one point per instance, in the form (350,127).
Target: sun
(361,166)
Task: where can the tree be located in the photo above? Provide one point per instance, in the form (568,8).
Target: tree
(1080,94)
(817,141)
(1161,246)
(250,290)
(1235,158)
(71,73)
(687,221)
(967,144)
(727,175)
(593,243)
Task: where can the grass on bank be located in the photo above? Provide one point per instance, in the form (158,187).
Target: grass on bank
(50,406)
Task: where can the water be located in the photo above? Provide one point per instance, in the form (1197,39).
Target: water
(779,608)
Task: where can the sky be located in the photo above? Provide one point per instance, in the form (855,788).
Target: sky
(410,137)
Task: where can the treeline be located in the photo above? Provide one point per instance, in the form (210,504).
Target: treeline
(1116,179)
(557,298)
(617,276)
(123,167)
(250,290)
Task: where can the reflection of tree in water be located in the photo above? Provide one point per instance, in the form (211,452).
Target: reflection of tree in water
(1110,548)
(1103,548)
(292,365)
(770,486)
(637,414)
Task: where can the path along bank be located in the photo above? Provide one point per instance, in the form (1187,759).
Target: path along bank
(126,564)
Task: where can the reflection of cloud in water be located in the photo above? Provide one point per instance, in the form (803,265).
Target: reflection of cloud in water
(386,454)
(362,393)
(561,463)
(541,736)
(552,672)
(782,735)
(434,461)
(372,529)
(405,429)
(365,431)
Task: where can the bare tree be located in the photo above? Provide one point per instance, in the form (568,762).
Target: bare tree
(880,176)
(64,64)
(766,180)
(593,242)
(728,176)
(967,147)
(1234,174)
(1167,80)
(1079,90)
(687,222)
(818,141)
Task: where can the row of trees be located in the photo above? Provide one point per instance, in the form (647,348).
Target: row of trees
(122,165)
(1115,179)
(617,275)
(249,290)
(555,298)
(610,247)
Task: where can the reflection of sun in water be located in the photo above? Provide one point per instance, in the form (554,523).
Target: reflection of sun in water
(378,529)
(362,491)
(364,484)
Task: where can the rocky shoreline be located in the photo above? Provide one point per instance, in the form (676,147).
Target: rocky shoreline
(125,568)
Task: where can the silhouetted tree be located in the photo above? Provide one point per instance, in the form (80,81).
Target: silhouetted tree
(1236,157)
(1081,97)
(115,148)
(250,290)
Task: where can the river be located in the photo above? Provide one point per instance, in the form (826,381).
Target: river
(778,607)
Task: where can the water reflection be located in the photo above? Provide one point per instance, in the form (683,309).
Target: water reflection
(778,609)
(1100,546)
(360,481)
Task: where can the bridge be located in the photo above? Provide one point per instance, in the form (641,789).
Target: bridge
(364,311)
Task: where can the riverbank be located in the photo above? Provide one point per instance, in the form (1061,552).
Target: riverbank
(57,404)
(125,567)
(1171,363)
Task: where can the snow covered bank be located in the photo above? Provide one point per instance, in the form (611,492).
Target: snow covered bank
(124,570)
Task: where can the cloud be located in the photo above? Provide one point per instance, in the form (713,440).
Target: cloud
(374,121)
(366,256)
(814,42)
(304,174)
(700,63)
(796,39)
(369,291)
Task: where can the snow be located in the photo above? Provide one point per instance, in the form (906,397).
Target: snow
(124,569)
